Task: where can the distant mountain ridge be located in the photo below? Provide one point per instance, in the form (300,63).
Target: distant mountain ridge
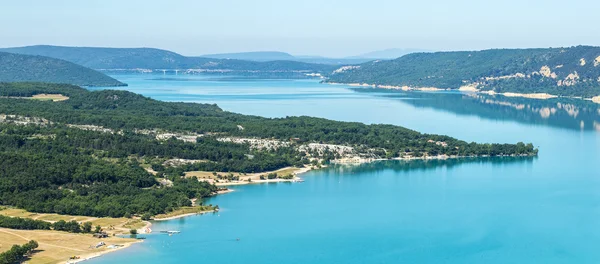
(571,71)
(30,68)
(263,56)
(253,56)
(389,53)
(150,58)
(277,55)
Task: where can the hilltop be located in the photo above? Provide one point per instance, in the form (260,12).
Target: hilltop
(20,68)
(571,71)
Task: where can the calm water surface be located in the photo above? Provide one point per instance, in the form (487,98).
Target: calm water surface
(531,210)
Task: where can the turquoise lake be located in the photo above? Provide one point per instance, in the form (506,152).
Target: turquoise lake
(497,210)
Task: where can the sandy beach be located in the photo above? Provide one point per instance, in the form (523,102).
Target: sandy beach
(179,216)
(99,254)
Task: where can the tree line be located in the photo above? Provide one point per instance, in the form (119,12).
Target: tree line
(33,224)
(18,253)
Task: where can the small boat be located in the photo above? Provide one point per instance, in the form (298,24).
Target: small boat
(171,232)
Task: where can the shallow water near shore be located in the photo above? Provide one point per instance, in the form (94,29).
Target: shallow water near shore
(496,210)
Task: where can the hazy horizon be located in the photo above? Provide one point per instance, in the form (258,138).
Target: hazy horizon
(308,28)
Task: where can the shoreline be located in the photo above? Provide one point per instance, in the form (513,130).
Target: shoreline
(253,178)
(359,161)
(149,224)
(468,89)
(141,231)
(100,254)
(179,216)
(295,179)
(278,180)
(60,247)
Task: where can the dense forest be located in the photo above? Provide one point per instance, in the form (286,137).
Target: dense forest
(49,165)
(20,68)
(61,170)
(148,58)
(571,71)
(122,110)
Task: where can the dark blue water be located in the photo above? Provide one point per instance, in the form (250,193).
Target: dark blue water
(532,210)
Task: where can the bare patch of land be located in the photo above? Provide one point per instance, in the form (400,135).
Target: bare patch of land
(42,97)
(50,97)
(288,174)
(185,211)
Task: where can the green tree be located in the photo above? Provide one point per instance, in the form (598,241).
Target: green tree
(87,227)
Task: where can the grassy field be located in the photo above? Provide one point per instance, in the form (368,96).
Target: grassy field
(50,97)
(203,174)
(42,97)
(57,247)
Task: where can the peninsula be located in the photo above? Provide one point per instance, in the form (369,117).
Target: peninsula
(106,140)
(116,159)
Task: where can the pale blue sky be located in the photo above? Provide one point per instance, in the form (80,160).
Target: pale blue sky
(301,27)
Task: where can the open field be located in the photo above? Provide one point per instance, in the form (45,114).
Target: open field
(50,97)
(42,97)
(57,247)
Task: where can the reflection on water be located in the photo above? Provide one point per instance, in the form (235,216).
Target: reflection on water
(423,165)
(559,112)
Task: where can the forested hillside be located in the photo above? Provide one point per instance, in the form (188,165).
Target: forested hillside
(86,155)
(20,68)
(571,71)
(153,59)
